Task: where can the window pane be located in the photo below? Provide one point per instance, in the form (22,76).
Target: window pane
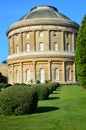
(17,76)
(17,37)
(55,34)
(27,35)
(55,46)
(17,49)
(56,74)
(41,47)
(42,75)
(27,47)
(69,74)
(27,75)
(41,34)
(68,47)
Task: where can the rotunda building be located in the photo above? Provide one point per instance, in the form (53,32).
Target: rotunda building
(42,47)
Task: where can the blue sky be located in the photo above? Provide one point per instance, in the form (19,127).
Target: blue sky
(12,10)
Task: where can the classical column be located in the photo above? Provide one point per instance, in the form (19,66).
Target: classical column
(21,72)
(34,71)
(49,70)
(73,42)
(63,67)
(62,37)
(74,72)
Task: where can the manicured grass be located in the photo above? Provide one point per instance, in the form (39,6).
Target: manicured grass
(64,110)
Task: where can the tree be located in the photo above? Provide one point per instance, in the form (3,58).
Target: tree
(3,79)
(81,53)
(4,61)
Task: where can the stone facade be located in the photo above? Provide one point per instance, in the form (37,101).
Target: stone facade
(42,49)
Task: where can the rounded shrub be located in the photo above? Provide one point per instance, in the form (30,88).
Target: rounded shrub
(55,85)
(17,100)
(7,85)
(2,85)
(43,92)
(49,86)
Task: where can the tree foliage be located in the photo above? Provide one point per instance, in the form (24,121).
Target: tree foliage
(3,79)
(81,53)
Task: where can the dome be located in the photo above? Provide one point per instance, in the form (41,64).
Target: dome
(44,12)
(43,15)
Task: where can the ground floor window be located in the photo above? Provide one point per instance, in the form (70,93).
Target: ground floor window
(56,74)
(27,75)
(17,76)
(68,74)
(42,75)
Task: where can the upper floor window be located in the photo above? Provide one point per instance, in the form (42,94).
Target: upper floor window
(17,37)
(27,35)
(17,48)
(41,34)
(68,47)
(67,34)
(55,46)
(27,47)
(41,46)
(55,34)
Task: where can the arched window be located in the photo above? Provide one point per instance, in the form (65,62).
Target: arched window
(27,47)
(69,74)
(17,76)
(42,75)
(27,75)
(56,74)
(41,46)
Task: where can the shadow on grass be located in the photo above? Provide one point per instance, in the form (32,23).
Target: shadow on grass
(46,109)
(51,98)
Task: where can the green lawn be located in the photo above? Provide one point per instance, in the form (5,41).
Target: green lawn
(64,110)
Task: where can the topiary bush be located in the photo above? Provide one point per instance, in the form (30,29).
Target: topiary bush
(7,85)
(51,86)
(2,85)
(55,85)
(17,100)
(43,92)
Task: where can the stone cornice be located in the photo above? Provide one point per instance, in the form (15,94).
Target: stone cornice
(41,54)
(34,22)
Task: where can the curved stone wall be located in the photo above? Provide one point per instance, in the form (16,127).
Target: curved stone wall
(42,50)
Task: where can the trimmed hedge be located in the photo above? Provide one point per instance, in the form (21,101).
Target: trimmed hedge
(18,100)
(43,92)
(2,85)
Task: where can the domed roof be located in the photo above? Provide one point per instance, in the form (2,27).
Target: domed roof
(44,12)
(43,15)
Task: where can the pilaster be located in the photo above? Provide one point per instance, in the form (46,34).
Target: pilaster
(62,37)
(34,71)
(64,74)
(73,42)
(49,70)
